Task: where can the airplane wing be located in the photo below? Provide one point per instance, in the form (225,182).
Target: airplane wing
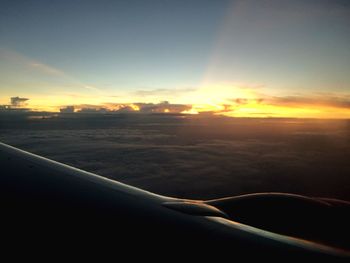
(50,200)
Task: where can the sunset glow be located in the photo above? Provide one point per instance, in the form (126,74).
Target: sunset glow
(218,100)
(238,107)
(233,58)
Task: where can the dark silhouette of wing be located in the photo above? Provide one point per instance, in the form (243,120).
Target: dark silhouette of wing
(52,201)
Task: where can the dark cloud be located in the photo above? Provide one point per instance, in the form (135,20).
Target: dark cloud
(67,109)
(93,110)
(18,102)
(198,157)
(162,107)
(88,106)
(126,109)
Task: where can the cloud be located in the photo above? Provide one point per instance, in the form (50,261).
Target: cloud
(240,101)
(18,102)
(207,158)
(317,105)
(78,95)
(89,107)
(105,108)
(313,100)
(22,62)
(162,92)
(311,106)
(68,109)
(46,69)
(162,107)
(317,100)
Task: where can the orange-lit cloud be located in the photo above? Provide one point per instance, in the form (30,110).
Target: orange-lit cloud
(328,100)
(246,103)
(312,106)
(162,107)
(230,99)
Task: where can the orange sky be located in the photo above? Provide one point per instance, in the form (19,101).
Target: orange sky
(230,100)
(236,58)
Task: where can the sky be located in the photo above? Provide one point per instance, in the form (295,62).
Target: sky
(244,58)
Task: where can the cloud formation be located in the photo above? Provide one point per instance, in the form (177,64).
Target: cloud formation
(249,103)
(18,102)
(321,100)
(331,100)
(162,107)
(198,157)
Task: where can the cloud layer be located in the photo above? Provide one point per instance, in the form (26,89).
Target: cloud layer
(244,102)
(195,157)
(162,107)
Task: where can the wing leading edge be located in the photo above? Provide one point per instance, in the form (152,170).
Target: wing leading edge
(51,200)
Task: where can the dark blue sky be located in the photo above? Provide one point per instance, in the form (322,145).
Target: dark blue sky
(116,48)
